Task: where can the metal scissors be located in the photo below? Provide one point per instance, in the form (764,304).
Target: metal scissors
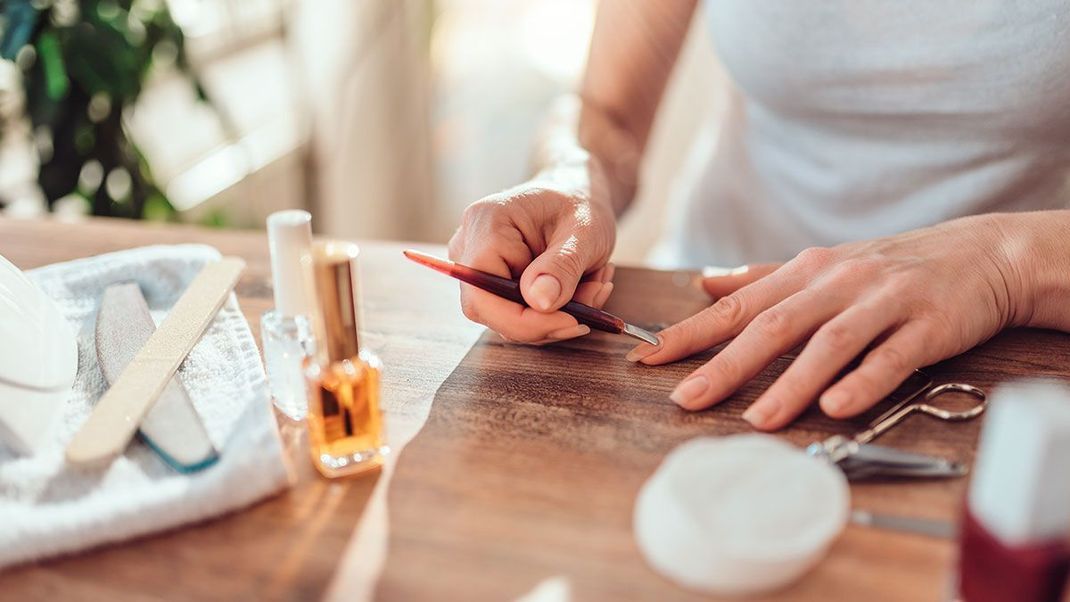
(860,459)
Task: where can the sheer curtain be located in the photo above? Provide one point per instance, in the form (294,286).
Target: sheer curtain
(416,113)
(368,92)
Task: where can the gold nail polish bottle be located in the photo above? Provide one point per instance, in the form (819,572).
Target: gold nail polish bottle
(345,423)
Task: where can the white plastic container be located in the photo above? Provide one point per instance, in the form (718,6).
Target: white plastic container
(38,360)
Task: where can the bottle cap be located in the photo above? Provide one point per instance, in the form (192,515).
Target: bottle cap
(1020,489)
(290,236)
(337,322)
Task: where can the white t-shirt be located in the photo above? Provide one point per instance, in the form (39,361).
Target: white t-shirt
(855,119)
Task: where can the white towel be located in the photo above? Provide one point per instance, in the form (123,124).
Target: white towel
(48,508)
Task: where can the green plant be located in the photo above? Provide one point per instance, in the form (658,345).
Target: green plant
(83,63)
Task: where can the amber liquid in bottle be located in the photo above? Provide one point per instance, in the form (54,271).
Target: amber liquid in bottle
(344,419)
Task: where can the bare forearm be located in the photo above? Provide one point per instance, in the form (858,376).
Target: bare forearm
(603,131)
(1036,246)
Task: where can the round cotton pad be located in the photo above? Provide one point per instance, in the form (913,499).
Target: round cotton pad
(739,514)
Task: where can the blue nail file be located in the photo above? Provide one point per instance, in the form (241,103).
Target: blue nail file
(172,427)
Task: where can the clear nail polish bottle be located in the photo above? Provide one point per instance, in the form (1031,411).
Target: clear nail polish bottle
(285,330)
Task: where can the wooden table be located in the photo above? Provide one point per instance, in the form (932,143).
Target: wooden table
(524,472)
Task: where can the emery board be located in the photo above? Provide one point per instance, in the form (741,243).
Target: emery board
(120,410)
(172,427)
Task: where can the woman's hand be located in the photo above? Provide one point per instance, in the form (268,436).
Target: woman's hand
(555,232)
(905,302)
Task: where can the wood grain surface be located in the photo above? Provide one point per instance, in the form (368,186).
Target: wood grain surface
(289,547)
(531,459)
(526,469)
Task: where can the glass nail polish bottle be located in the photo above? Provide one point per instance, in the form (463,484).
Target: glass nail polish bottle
(285,330)
(345,424)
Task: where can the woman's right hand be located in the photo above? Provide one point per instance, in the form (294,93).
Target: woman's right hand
(555,232)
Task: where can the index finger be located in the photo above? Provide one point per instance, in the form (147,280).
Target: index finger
(505,257)
(719,322)
(514,321)
(718,282)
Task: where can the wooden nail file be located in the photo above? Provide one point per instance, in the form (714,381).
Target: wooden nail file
(120,410)
(172,427)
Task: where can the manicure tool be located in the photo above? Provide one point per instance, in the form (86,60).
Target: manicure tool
(859,459)
(172,427)
(120,410)
(510,289)
(929,527)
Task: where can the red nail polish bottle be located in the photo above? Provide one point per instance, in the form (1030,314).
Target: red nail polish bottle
(1015,536)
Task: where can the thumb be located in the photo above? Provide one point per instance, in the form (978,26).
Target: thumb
(550,279)
(718,282)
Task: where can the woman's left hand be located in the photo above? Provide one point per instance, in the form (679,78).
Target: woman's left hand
(906,301)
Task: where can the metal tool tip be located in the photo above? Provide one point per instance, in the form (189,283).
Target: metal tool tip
(643,335)
(861,517)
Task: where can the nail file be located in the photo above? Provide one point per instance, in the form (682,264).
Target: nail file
(120,410)
(172,427)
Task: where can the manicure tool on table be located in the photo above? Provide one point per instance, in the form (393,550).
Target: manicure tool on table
(510,289)
(172,427)
(120,410)
(860,459)
(929,527)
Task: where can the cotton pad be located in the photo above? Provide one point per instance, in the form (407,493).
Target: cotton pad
(739,514)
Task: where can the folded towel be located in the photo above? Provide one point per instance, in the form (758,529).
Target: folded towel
(49,508)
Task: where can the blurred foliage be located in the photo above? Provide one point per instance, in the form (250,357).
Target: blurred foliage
(83,63)
(216,218)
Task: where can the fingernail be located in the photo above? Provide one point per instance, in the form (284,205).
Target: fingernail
(712,271)
(603,295)
(641,350)
(835,401)
(569,332)
(688,392)
(544,291)
(759,413)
